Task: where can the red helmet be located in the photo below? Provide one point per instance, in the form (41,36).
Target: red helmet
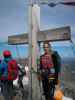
(6,53)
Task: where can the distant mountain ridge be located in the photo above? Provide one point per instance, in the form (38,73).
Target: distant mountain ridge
(68,60)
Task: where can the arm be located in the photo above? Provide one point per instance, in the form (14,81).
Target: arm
(39,69)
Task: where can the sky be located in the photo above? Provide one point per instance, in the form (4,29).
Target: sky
(14,20)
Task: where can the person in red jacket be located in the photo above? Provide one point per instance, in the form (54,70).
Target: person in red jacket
(47,70)
(6,84)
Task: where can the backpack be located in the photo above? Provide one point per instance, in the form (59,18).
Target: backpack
(12,70)
(57,65)
(56,61)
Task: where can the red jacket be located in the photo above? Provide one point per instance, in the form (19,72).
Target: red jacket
(46,62)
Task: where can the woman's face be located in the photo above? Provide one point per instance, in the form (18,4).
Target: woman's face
(46,48)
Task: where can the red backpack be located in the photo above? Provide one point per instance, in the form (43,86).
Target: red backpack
(12,70)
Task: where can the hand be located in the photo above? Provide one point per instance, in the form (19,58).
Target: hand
(57,86)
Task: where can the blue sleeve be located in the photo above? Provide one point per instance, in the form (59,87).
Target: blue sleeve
(3,69)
